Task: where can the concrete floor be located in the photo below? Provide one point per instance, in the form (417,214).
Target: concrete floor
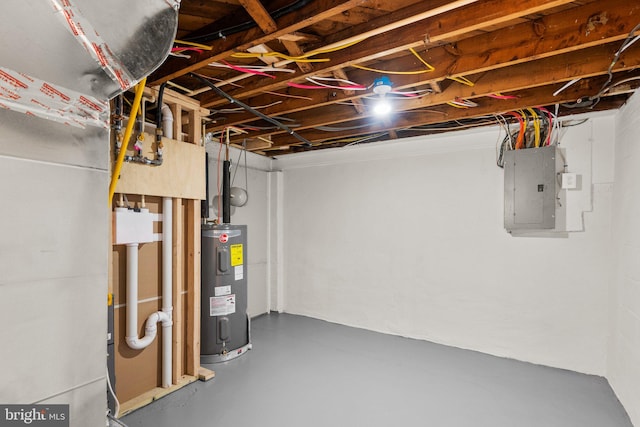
(304,372)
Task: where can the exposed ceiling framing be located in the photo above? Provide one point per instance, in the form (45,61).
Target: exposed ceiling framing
(446,54)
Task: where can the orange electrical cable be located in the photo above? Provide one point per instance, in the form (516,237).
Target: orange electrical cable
(520,139)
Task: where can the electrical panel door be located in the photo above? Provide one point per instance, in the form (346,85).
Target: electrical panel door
(531,188)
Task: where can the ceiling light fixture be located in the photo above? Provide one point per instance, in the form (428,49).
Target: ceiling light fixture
(382,86)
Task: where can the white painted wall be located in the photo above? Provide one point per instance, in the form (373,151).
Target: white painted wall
(407,238)
(276,241)
(53,265)
(624,328)
(254,214)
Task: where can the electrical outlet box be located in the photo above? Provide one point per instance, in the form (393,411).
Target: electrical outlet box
(568,181)
(132,227)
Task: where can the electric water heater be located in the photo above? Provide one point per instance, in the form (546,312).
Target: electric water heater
(224,321)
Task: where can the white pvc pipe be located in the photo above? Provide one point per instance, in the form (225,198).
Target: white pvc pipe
(164,316)
(132,305)
(132,295)
(167,289)
(167,121)
(150,329)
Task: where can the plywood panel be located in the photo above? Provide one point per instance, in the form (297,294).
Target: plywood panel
(137,371)
(182,173)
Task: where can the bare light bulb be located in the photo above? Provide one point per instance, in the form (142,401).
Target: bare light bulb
(382,107)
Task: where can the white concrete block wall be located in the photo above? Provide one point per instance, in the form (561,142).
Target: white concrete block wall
(624,333)
(407,238)
(53,265)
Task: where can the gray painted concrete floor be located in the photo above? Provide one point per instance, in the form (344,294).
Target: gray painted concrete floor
(304,372)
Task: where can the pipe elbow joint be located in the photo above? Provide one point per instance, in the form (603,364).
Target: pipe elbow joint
(137,343)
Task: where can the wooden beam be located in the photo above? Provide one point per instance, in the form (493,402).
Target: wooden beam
(585,63)
(295,50)
(256,144)
(608,103)
(195,127)
(393,21)
(299,37)
(527,98)
(153,395)
(312,13)
(205,374)
(259,14)
(479,48)
(178,347)
(357,102)
(176,111)
(263,48)
(435,86)
(437,28)
(172,97)
(193,287)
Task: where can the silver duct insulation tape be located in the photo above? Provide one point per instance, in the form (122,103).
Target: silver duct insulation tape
(77,54)
(93,43)
(29,95)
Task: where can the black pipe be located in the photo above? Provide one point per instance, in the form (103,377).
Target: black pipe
(226,192)
(231,99)
(159,130)
(204,204)
(224,32)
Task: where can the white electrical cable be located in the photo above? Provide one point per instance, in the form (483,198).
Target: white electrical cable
(254,67)
(117,411)
(115,420)
(354,87)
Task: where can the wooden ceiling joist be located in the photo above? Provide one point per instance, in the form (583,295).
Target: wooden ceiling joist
(527,49)
(259,14)
(296,51)
(400,40)
(515,80)
(529,98)
(575,64)
(313,12)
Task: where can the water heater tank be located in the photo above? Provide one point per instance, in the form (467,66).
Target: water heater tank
(225,332)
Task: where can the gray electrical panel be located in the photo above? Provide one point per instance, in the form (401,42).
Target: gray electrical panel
(532,190)
(225,331)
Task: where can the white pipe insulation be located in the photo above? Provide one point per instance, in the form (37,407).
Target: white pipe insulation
(167,289)
(165,316)
(167,121)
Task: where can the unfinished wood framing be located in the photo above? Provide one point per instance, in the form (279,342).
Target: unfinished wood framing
(187,115)
(182,178)
(260,15)
(182,173)
(193,287)
(154,394)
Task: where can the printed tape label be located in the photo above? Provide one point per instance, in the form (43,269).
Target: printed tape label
(223,305)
